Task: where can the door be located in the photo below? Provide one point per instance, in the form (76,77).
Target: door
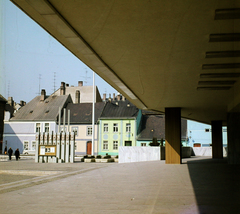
(89,147)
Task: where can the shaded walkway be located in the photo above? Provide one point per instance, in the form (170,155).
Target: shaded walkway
(145,187)
(216,185)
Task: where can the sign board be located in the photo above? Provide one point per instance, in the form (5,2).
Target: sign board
(47,150)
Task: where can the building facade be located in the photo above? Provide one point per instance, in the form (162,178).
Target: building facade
(39,115)
(81,125)
(200,134)
(118,126)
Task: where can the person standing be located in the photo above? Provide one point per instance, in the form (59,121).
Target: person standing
(10,151)
(17,154)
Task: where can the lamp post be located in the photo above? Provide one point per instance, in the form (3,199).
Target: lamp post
(93,114)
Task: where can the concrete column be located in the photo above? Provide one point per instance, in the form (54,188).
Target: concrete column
(37,147)
(173,135)
(72,147)
(63,147)
(233,127)
(67,156)
(217,143)
(58,152)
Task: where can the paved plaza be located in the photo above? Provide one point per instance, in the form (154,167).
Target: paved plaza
(199,185)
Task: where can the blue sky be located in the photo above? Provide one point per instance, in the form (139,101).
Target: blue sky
(28,51)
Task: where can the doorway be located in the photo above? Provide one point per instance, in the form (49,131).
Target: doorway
(89,147)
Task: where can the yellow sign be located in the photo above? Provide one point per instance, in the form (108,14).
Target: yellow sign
(47,150)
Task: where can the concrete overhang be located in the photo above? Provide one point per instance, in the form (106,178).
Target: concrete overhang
(157,53)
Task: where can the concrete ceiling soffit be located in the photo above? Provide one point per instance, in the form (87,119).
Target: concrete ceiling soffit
(48,17)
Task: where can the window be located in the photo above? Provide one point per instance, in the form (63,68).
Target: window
(115,127)
(115,145)
(34,145)
(128,143)
(75,130)
(38,125)
(105,127)
(128,127)
(143,144)
(105,145)
(46,127)
(25,145)
(208,130)
(89,131)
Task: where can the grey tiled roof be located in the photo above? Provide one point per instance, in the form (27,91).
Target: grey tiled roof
(82,113)
(119,109)
(37,110)
(154,126)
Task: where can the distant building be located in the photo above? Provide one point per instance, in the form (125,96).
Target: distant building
(153,126)
(80,93)
(81,124)
(118,125)
(200,134)
(39,115)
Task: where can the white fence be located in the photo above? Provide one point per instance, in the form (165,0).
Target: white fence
(206,151)
(136,154)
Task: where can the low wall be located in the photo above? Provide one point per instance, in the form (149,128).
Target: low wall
(137,154)
(206,151)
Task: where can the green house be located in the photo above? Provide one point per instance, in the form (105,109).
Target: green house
(118,126)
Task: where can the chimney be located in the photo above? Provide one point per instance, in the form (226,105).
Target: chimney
(113,96)
(62,88)
(10,101)
(118,97)
(104,97)
(43,95)
(80,83)
(77,96)
(22,103)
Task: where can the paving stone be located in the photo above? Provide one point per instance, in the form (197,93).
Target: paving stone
(199,185)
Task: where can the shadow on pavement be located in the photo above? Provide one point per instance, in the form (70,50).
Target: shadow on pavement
(216,185)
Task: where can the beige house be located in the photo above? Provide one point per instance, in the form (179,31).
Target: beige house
(80,93)
(81,124)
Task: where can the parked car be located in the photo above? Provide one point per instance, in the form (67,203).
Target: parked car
(29,152)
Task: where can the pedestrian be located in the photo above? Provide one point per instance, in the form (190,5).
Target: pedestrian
(17,154)
(10,151)
(5,150)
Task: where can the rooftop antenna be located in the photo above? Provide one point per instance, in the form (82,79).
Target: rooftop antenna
(54,82)
(9,88)
(39,78)
(86,77)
